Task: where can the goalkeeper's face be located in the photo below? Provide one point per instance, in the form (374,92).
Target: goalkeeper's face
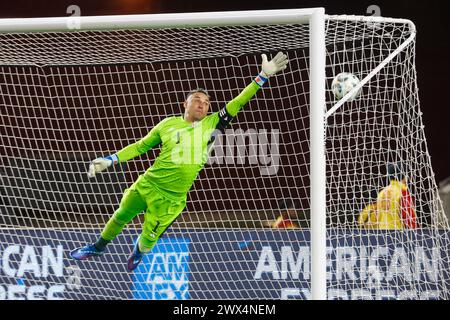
(196,106)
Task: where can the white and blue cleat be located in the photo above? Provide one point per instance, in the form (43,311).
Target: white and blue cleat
(86,252)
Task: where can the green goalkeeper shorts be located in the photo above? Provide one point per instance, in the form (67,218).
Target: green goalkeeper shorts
(160,212)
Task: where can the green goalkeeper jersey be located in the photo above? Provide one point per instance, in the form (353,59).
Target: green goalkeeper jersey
(185,146)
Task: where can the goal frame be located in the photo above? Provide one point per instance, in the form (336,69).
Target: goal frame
(315,17)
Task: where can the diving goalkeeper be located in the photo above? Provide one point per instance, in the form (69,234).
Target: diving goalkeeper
(162,190)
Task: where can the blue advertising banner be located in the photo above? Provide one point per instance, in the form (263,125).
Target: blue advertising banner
(164,273)
(226,264)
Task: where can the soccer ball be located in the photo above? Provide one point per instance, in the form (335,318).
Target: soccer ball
(343,83)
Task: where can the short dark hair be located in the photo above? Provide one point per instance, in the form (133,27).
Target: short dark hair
(285,204)
(196,90)
(396,171)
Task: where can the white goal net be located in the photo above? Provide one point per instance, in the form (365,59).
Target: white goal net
(69,97)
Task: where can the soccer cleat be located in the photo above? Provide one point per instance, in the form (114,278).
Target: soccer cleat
(86,252)
(135,257)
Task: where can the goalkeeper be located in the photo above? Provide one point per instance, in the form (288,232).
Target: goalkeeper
(162,190)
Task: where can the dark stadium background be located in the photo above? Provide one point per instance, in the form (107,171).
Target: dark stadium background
(433,52)
(430,17)
(432,64)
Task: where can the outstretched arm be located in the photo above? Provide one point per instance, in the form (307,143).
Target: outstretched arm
(268,69)
(134,150)
(151,140)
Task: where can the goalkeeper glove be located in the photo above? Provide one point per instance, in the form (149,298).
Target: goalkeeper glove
(101,164)
(269,68)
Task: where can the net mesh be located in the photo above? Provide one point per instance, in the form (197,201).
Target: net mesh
(68,98)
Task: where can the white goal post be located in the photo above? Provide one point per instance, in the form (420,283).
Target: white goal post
(328,43)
